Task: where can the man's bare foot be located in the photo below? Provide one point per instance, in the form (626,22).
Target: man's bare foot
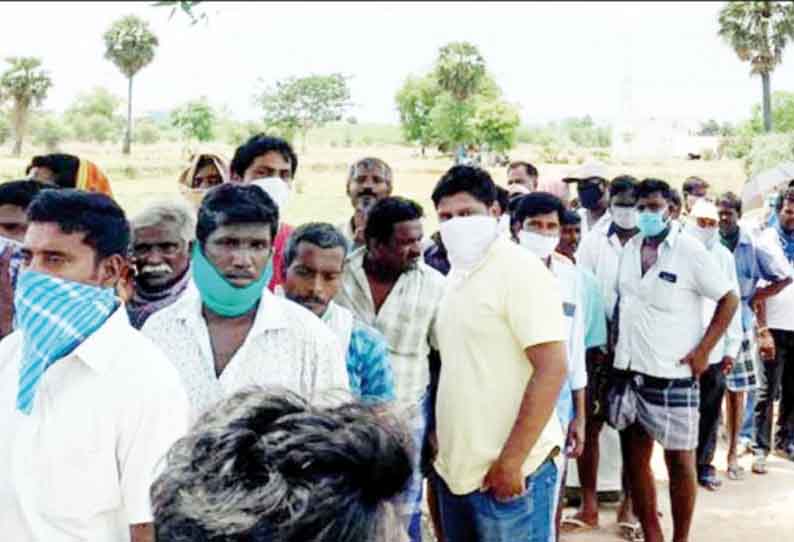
(625,513)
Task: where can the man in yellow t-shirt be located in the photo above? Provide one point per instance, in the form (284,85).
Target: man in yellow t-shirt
(500,332)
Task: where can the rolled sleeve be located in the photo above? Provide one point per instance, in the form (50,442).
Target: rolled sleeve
(772,264)
(148,430)
(534,305)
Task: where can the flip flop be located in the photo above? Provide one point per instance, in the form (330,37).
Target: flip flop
(632,532)
(574,525)
(735,472)
(759,466)
(710,482)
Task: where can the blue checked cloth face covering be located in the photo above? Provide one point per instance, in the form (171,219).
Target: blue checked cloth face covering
(55,316)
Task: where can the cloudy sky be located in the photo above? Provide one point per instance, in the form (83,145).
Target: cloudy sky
(555,60)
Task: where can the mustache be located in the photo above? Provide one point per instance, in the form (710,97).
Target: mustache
(306,300)
(160,269)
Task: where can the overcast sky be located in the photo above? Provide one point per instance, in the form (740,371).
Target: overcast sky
(555,60)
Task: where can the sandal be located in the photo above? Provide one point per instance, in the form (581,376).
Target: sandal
(574,525)
(710,482)
(759,465)
(632,532)
(735,472)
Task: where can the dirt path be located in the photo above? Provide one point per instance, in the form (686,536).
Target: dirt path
(758,509)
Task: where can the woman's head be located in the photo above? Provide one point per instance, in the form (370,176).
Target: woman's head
(268,466)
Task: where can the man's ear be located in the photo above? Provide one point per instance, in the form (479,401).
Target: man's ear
(494,210)
(111,270)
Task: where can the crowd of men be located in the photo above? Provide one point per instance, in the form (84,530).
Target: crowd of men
(203,371)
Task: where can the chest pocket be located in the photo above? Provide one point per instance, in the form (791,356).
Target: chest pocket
(665,289)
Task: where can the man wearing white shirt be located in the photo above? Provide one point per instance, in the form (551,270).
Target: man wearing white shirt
(229,331)
(702,224)
(88,405)
(593,190)
(663,279)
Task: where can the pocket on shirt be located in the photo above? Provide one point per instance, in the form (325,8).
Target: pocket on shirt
(664,295)
(82,485)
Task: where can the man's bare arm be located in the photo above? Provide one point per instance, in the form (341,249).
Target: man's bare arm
(142,532)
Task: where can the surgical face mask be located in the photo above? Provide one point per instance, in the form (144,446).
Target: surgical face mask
(652,223)
(467,239)
(707,236)
(276,188)
(624,217)
(540,245)
(590,195)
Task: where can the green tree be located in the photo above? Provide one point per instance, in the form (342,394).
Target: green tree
(5,129)
(452,121)
(186,7)
(49,132)
(782,114)
(147,131)
(130,45)
(758,32)
(195,120)
(415,102)
(460,69)
(26,85)
(299,104)
(94,116)
(496,124)
(709,128)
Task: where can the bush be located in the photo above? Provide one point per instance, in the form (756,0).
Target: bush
(147,132)
(769,151)
(50,133)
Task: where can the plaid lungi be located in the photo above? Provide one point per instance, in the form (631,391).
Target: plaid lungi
(743,376)
(668,410)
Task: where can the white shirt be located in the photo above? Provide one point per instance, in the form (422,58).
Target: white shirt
(573,317)
(600,253)
(661,313)
(79,467)
(601,224)
(731,341)
(780,307)
(287,346)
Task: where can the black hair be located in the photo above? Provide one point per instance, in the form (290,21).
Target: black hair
(675,198)
(259,145)
(472,180)
(651,186)
(388,212)
(96,215)
(532,171)
(731,200)
(503,197)
(621,185)
(64,166)
(693,182)
(570,218)
(786,195)
(319,234)
(538,203)
(234,203)
(20,193)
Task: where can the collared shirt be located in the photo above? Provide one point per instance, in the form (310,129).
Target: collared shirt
(80,466)
(368,365)
(287,346)
(486,322)
(574,310)
(779,308)
(601,224)
(731,341)
(406,319)
(599,253)
(661,312)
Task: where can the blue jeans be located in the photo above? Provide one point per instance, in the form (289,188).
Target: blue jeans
(479,517)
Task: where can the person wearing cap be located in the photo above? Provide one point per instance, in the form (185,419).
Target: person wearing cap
(703,226)
(592,187)
(663,347)
(694,189)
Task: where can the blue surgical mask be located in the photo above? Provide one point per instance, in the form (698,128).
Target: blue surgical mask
(219,295)
(652,223)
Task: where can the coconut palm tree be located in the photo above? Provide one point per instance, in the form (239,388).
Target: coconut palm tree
(759,31)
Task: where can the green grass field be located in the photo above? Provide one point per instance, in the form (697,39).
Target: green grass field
(150,173)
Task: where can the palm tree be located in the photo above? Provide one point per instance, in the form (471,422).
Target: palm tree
(759,31)
(460,69)
(26,85)
(130,45)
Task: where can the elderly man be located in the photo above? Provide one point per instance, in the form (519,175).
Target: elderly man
(230,331)
(369,180)
(314,260)
(387,286)
(270,163)
(162,239)
(89,405)
(593,189)
(663,348)
(501,332)
(522,174)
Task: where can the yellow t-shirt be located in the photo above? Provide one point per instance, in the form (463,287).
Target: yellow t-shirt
(484,325)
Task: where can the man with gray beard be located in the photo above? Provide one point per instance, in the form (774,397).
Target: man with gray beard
(162,237)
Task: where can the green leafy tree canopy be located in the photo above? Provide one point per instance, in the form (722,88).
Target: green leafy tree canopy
(460,69)
(26,85)
(195,120)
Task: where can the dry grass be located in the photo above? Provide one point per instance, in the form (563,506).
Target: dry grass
(150,174)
